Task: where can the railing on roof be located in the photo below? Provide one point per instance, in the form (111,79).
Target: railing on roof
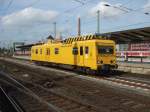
(81,38)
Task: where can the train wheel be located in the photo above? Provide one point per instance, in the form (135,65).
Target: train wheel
(104,72)
(80,69)
(90,72)
(37,63)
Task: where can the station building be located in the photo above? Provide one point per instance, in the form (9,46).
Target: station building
(132,45)
(23,51)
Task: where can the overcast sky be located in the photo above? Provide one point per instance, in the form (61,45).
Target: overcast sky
(32,20)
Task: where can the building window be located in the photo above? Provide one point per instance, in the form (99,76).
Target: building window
(36,52)
(56,51)
(75,51)
(81,50)
(86,50)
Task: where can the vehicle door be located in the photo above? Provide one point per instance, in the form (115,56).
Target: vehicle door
(47,54)
(81,56)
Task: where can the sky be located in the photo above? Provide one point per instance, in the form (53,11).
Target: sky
(33,20)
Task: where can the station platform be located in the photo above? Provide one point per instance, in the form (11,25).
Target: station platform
(22,57)
(134,67)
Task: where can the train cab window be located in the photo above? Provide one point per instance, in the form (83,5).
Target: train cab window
(105,49)
(36,52)
(75,51)
(86,50)
(40,51)
(81,50)
(56,51)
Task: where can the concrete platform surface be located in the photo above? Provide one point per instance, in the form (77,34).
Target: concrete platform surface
(141,68)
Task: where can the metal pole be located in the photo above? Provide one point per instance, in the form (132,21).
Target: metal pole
(98,21)
(79,26)
(54,29)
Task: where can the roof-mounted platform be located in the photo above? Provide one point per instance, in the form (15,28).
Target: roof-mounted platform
(82,38)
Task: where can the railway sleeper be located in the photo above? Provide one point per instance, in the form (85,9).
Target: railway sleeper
(63,104)
(55,98)
(57,102)
(81,109)
(71,106)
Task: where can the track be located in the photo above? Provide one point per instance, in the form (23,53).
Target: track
(49,80)
(131,82)
(57,102)
(27,99)
(8,103)
(66,104)
(138,84)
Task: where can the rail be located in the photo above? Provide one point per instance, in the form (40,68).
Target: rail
(8,104)
(21,87)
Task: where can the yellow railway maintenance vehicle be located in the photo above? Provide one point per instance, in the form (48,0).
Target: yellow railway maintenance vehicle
(86,53)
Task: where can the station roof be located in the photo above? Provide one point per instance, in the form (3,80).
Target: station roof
(132,35)
(28,46)
(126,36)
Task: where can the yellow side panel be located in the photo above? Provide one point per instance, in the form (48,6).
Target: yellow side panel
(64,53)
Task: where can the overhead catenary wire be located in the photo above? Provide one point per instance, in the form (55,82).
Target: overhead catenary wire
(8,6)
(138,23)
(127,2)
(9,3)
(129,11)
(92,20)
(74,8)
(79,1)
(116,27)
(33,3)
(29,5)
